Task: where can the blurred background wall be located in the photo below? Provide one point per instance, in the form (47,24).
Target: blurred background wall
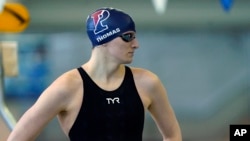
(200,51)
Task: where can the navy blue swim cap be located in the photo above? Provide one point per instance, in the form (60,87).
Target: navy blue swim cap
(105,24)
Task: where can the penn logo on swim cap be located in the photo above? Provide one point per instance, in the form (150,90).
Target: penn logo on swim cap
(105,24)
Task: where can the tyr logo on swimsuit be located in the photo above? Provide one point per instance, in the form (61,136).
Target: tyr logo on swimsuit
(113,100)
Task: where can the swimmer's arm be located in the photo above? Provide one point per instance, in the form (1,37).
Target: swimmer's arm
(49,104)
(162,112)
